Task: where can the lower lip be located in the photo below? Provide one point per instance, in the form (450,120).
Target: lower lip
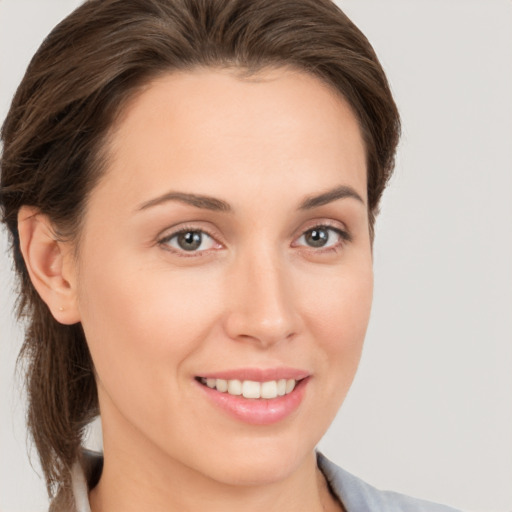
(259,411)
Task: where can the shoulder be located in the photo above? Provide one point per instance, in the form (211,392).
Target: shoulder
(358,496)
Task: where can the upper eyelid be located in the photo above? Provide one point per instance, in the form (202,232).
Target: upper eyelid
(170,232)
(342,232)
(337,226)
(181,231)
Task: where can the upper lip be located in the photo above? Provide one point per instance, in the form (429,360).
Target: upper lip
(257,374)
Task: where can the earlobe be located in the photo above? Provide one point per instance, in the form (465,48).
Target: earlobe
(48,262)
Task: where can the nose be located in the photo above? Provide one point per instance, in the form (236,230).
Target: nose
(261,306)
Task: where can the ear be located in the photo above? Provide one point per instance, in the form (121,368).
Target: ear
(50,265)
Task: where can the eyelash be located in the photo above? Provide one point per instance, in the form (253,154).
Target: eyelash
(164,241)
(344,236)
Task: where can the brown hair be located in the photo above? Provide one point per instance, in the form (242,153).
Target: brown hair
(76,84)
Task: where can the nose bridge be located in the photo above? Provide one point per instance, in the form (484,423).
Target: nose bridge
(262,305)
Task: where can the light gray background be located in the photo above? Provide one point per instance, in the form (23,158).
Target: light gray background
(430,412)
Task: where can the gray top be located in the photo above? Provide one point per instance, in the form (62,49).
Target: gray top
(358,496)
(353,493)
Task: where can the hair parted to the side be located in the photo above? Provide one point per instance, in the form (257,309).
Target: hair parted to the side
(90,65)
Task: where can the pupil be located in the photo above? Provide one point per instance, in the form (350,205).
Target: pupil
(190,241)
(317,237)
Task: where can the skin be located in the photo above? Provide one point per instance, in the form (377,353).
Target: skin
(256,293)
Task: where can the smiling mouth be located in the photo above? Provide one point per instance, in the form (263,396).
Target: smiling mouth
(251,389)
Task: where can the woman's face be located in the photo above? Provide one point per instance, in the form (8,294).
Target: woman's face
(227,245)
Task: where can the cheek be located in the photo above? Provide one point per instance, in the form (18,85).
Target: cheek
(145,321)
(340,307)
(338,318)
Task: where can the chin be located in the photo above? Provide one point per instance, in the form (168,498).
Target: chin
(254,472)
(257,462)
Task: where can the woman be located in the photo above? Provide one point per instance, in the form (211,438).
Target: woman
(191,189)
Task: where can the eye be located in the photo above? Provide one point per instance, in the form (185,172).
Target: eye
(189,240)
(322,237)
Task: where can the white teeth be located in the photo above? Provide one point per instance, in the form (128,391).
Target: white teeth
(234,387)
(269,389)
(252,389)
(221,385)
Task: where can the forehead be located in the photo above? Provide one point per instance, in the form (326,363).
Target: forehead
(210,125)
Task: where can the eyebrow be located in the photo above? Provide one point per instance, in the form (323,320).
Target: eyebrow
(199,201)
(218,205)
(340,192)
